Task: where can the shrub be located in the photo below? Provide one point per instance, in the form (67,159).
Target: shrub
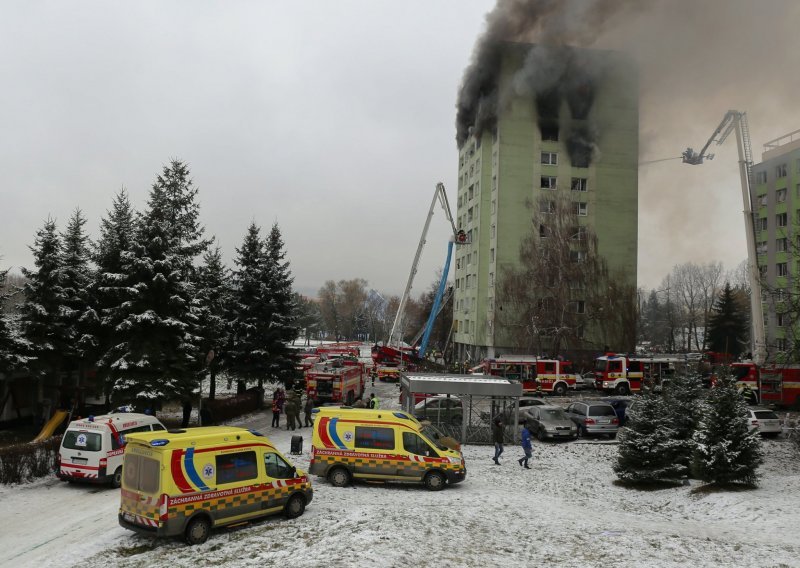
(24,462)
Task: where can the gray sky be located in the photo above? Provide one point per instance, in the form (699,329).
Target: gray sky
(336,119)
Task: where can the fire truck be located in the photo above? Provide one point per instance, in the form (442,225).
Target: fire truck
(336,380)
(770,384)
(545,375)
(390,373)
(624,374)
(351,349)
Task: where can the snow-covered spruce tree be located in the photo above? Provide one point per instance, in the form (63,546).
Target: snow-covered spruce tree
(77,278)
(683,399)
(726,451)
(249,313)
(12,347)
(40,312)
(117,234)
(648,450)
(283,328)
(154,352)
(213,295)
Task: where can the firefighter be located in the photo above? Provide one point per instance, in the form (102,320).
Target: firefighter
(309,407)
(374,403)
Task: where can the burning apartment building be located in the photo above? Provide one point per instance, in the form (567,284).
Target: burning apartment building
(539,125)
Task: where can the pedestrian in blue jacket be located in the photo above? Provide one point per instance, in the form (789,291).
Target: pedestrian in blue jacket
(526,446)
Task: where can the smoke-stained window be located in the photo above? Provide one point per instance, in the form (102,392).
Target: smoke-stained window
(548,182)
(548,130)
(550,158)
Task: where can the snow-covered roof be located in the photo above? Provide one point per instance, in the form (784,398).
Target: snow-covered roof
(482,385)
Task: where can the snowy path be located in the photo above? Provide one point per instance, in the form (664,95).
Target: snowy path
(566,511)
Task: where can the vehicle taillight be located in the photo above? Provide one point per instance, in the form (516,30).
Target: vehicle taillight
(103,462)
(754,422)
(588,421)
(615,420)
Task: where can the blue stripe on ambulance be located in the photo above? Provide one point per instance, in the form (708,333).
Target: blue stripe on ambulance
(188,462)
(334,436)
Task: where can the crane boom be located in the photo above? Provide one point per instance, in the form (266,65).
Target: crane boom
(441,196)
(737,121)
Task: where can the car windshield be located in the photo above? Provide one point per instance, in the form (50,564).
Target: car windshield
(86,441)
(552,414)
(601,411)
(765,415)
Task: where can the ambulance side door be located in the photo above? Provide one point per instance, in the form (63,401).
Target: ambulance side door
(277,470)
(417,449)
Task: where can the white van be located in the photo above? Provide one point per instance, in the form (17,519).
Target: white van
(92,448)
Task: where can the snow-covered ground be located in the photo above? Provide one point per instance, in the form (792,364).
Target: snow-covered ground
(566,511)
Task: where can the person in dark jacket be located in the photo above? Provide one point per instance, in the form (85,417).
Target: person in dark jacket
(187,413)
(289,409)
(527,447)
(498,433)
(276,413)
(308,408)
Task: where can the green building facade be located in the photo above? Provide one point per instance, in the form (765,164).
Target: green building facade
(527,156)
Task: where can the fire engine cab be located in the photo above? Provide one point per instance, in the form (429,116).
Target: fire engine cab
(335,380)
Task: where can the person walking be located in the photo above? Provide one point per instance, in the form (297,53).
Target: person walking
(309,407)
(498,433)
(276,412)
(374,403)
(526,446)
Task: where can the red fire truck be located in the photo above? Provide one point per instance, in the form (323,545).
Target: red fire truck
(551,375)
(770,384)
(623,374)
(336,380)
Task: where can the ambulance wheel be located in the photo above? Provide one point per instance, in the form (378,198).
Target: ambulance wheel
(116,479)
(560,389)
(339,477)
(295,507)
(435,481)
(198,530)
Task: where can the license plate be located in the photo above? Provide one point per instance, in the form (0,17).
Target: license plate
(81,461)
(604,421)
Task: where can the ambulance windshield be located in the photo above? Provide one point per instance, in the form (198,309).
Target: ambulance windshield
(85,441)
(433,434)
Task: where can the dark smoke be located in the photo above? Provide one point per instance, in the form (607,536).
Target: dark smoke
(551,70)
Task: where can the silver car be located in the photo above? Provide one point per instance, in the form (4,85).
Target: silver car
(764,420)
(550,422)
(594,417)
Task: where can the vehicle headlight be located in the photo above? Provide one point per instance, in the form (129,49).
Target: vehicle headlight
(455,461)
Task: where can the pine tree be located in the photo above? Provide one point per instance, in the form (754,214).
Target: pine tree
(12,348)
(40,313)
(683,398)
(80,319)
(728,324)
(212,298)
(283,329)
(726,451)
(249,312)
(648,448)
(117,234)
(154,352)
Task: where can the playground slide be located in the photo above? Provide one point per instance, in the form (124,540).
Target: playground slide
(52,424)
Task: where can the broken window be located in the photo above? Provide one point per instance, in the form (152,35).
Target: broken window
(548,182)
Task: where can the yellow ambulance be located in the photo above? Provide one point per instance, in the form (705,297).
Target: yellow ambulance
(359,443)
(184,482)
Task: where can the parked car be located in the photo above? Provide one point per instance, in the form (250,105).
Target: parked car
(440,409)
(549,421)
(594,417)
(507,414)
(764,420)
(585,381)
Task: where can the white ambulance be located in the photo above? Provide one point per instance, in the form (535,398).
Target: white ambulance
(92,448)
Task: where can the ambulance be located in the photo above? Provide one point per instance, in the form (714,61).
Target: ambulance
(359,443)
(91,449)
(186,482)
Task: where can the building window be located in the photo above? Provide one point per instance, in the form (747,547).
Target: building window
(494,205)
(761,247)
(780,245)
(491,279)
(797,165)
(494,183)
(780,343)
(580,208)
(475,257)
(779,319)
(550,158)
(471,192)
(579,233)
(780,171)
(577,255)
(494,230)
(781,219)
(780,195)
(579,184)
(548,182)
(762,271)
(542,231)
(491,255)
(761,224)
(547,207)
(469,215)
(781,269)
(761,177)
(762,201)
(578,306)
(549,132)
